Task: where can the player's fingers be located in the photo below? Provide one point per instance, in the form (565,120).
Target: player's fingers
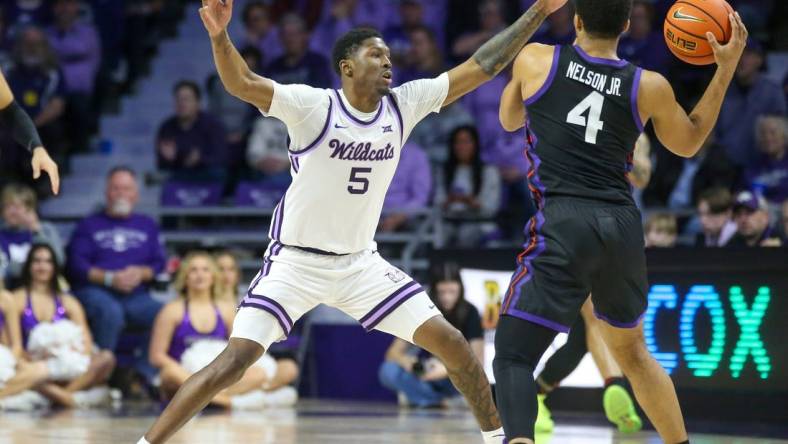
(54,177)
(742,27)
(36,169)
(712,41)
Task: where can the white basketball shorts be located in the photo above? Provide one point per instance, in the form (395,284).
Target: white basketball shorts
(363,285)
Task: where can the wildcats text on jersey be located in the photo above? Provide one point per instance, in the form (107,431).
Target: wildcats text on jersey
(599,82)
(359,151)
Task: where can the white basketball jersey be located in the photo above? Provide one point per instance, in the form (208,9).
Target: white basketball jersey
(340,180)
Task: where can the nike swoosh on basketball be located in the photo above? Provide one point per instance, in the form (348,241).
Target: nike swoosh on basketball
(336,125)
(677,14)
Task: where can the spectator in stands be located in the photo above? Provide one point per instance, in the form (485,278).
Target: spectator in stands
(643,45)
(753,228)
(769,176)
(22,228)
(298,64)
(267,154)
(191,145)
(412,372)
(467,188)
(340,16)
(41,298)
(410,188)
(77,46)
(261,31)
(229,276)
(398,37)
(483,104)
(492,21)
(423,59)
(560,28)
(716,218)
(37,81)
(661,230)
(749,96)
(113,257)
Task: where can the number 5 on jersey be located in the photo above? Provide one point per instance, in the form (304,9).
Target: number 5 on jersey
(358,184)
(593,103)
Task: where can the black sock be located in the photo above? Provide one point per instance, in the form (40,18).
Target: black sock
(518,346)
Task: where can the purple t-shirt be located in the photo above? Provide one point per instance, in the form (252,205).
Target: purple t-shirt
(313,70)
(207,135)
(770,177)
(411,186)
(483,104)
(649,53)
(112,244)
(79,53)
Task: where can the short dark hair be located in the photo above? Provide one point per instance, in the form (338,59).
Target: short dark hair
(604,18)
(349,43)
(187,84)
(719,199)
(121,169)
(247,11)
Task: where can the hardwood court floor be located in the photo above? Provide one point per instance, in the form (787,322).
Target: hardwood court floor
(311,422)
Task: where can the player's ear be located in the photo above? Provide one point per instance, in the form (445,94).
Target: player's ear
(346,67)
(578,23)
(626,28)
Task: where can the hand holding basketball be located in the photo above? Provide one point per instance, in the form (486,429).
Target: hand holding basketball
(215,15)
(728,55)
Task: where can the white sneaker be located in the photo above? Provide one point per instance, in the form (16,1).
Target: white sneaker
(24,402)
(93,397)
(253,400)
(281,397)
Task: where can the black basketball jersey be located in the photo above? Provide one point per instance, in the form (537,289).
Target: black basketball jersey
(583,124)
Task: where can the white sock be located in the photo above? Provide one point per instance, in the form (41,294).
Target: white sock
(493,436)
(143,441)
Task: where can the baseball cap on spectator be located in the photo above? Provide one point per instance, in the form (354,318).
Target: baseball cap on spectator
(750,201)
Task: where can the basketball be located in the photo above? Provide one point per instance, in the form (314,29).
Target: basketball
(686,26)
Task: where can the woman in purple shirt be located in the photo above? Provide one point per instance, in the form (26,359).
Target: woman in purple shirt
(199,313)
(42,299)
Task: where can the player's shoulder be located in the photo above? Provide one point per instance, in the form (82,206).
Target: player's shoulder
(535,54)
(654,88)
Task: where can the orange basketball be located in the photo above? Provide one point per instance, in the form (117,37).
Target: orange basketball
(686,26)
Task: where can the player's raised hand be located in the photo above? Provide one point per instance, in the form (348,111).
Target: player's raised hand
(215,15)
(728,55)
(42,162)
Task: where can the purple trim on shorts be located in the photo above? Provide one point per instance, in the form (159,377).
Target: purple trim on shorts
(319,138)
(553,68)
(633,99)
(599,60)
(354,118)
(271,306)
(276,247)
(618,324)
(389,304)
(552,325)
(394,105)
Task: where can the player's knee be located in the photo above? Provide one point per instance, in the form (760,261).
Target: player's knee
(632,357)
(231,364)
(287,370)
(452,347)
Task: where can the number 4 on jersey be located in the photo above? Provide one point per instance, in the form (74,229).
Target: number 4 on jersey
(593,103)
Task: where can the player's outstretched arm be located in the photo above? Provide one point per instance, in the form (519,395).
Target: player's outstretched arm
(684,134)
(493,56)
(236,76)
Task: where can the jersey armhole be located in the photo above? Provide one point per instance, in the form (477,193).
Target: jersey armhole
(633,99)
(398,113)
(550,76)
(320,137)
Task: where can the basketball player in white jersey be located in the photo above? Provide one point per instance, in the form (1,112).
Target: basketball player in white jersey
(344,149)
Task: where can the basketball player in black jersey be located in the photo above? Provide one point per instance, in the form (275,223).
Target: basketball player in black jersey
(585,109)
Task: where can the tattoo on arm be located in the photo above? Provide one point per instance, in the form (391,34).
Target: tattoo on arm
(470,380)
(497,52)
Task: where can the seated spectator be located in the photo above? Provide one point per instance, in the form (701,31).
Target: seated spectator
(467,188)
(113,256)
(560,28)
(35,79)
(22,228)
(340,16)
(753,228)
(78,49)
(661,230)
(423,59)
(769,175)
(230,277)
(491,21)
(483,104)
(412,372)
(191,144)
(750,95)
(398,36)
(642,44)
(410,188)
(17,375)
(298,64)
(41,300)
(716,218)
(199,315)
(260,31)
(267,154)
